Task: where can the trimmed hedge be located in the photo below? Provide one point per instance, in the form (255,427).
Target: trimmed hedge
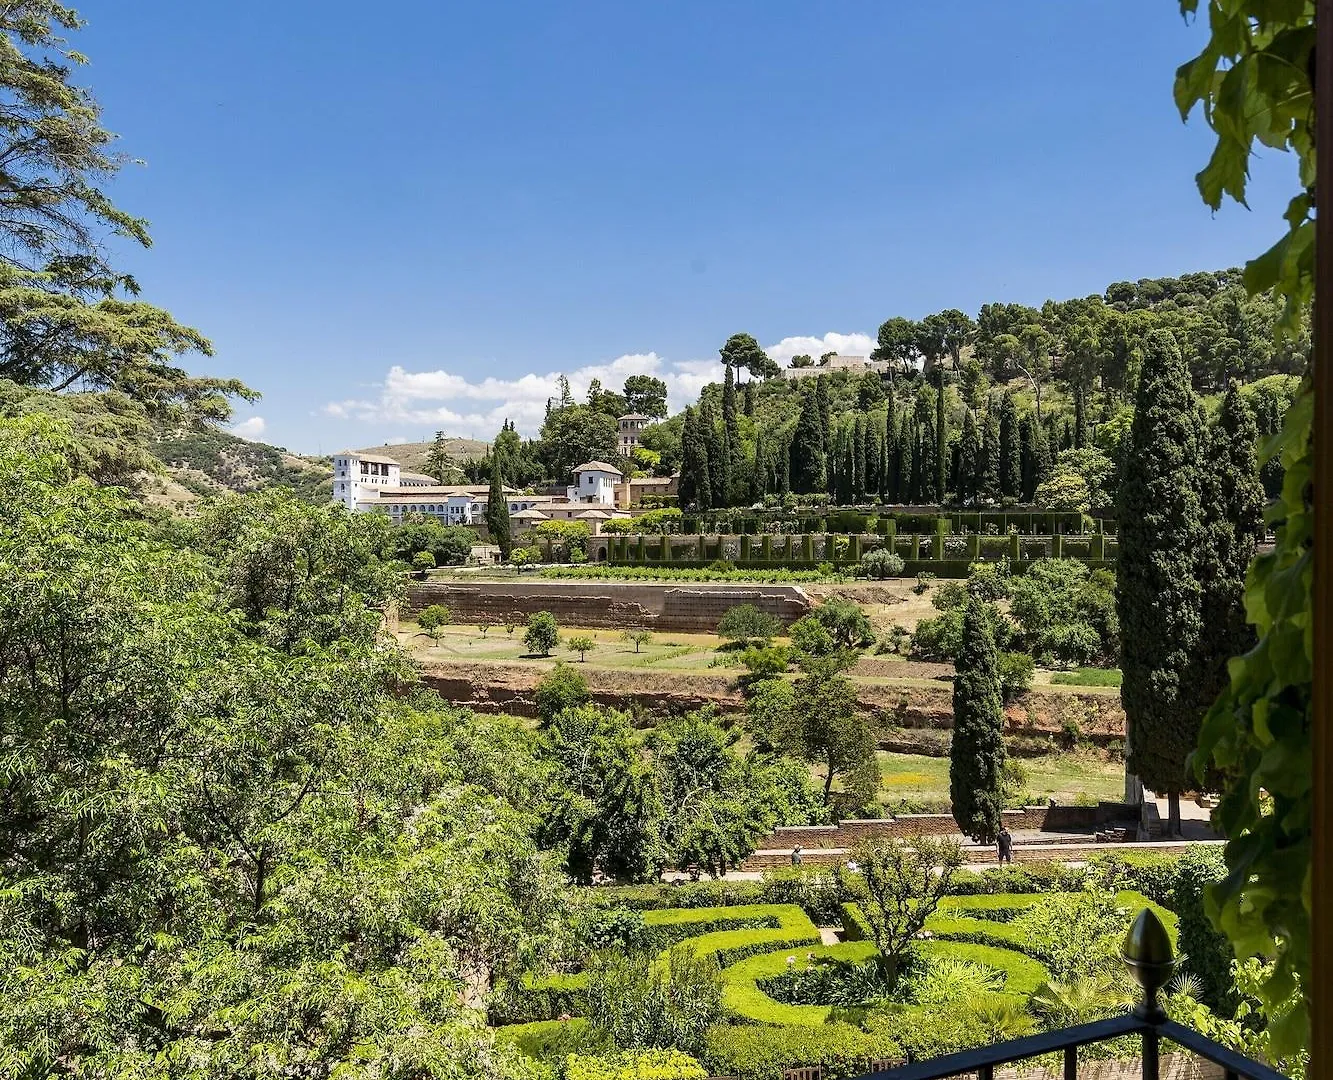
(1022,974)
(634,1065)
(744,998)
(694,894)
(1032,877)
(548,1040)
(794,930)
(766,1053)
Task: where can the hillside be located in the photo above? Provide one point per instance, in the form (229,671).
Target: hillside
(202,463)
(414,455)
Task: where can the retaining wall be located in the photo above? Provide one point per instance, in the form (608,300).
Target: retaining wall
(769,859)
(848,833)
(613,605)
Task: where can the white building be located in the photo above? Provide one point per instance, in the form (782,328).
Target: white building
(629,427)
(594,482)
(858,364)
(355,476)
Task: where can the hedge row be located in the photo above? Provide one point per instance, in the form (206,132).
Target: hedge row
(748,1052)
(744,998)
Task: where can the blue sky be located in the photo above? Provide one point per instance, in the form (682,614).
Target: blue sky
(395,220)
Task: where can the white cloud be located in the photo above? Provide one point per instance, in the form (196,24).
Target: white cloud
(461,406)
(846,344)
(251,428)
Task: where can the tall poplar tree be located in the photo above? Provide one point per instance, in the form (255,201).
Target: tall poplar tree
(825,414)
(1158,593)
(711,433)
(729,482)
(1080,418)
(1011,464)
(497,513)
(976,752)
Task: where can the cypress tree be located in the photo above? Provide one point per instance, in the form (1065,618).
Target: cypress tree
(913,475)
(749,398)
(929,472)
(497,514)
(845,458)
(783,455)
(1080,418)
(731,442)
(860,482)
(1011,464)
(1233,507)
(1035,463)
(825,412)
(941,440)
(976,753)
(1158,593)
(695,487)
(969,459)
(807,470)
(990,459)
(711,433)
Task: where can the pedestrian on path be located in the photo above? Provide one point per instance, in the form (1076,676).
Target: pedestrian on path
(1004,844)
(796,855)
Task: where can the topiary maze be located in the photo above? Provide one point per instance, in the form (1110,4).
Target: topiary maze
(971,977)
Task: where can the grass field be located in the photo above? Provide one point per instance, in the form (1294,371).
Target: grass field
(1087,676)
(684,652)
(1063,777)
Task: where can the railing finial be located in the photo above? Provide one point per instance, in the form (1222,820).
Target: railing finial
(1151,959)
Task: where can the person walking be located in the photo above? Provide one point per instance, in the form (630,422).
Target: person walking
(1004,844)
(796,855)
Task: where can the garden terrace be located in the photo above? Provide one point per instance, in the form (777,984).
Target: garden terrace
(942,552)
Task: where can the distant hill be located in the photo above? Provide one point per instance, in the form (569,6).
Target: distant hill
(202,463)
(414,455)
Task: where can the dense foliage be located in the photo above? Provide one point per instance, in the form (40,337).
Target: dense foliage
(976,751)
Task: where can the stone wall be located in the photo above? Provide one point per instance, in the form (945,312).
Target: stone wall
(904,826)
(609,604)
(771,859)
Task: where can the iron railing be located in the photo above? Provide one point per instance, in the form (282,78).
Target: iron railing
(1149,955)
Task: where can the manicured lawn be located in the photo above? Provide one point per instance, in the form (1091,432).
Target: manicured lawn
(1087,676)
(1065,777)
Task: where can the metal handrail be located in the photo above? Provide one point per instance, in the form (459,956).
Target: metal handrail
(1149,955)
(983,1060)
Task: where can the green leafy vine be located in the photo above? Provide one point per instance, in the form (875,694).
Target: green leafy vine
(1253,83)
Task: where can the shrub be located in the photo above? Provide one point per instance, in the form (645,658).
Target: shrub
(846,622)
(1208,954)
(881,563)
(549,1040)
(634,1065)
(813,889)
(583,644)
(423,561)
(665,1004)
(810,637)
(543,633)
(745,623)
(989,581)
(750,1052)
(929,1032)
(1015,670)
(765,663)
(564,688)
(923,580)
(620,928)
(896,640)
(433,619)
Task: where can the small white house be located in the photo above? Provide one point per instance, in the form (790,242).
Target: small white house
(595,482)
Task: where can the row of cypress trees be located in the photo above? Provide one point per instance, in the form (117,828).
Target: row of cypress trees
(1191,517)
(884,451)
